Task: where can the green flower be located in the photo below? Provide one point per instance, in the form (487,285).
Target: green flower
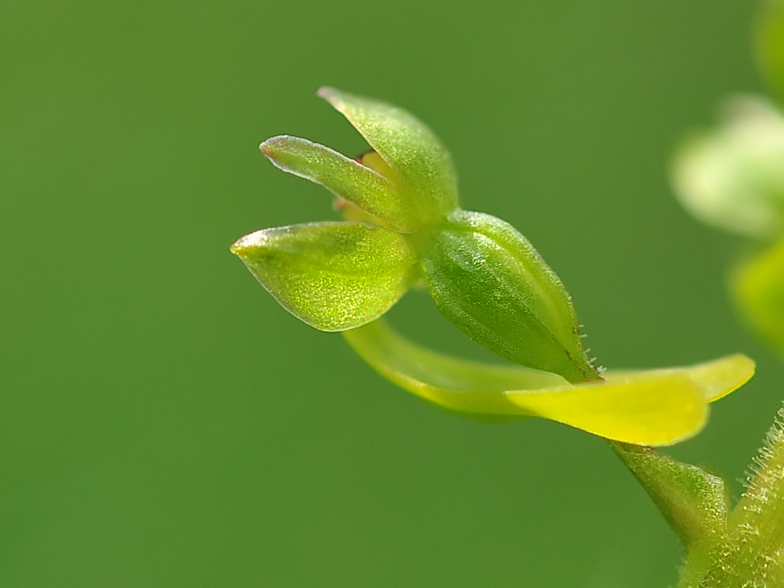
(404,225)
(483,275)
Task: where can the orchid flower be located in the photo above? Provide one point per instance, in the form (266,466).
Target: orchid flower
(404,226)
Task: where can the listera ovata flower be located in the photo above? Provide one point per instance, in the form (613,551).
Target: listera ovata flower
(404,225)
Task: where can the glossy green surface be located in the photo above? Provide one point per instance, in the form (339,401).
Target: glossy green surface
(164,423)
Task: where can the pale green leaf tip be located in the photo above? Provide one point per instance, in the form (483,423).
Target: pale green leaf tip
(743,369)
(256,239)
(267,147)
(272,147)
(339,100)
(336,98)
(328,93)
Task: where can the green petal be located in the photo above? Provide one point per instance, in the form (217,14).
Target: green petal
(333,276)
(410,148)
(487,279)
(758,288)
(344,177)
(659,407)
(652,410)
(470,388)
(715,378)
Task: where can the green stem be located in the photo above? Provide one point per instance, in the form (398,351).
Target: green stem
(750,553)
(692,501)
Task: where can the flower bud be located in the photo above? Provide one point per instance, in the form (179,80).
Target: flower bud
(733,177)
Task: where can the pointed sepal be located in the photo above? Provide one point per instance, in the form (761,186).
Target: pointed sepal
(410,149)
(751,551)
(756,524)
(331,275)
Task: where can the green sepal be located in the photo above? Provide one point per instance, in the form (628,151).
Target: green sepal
(757,285)
(346,178)
(417,157)
(693,501)
(488,280)
(331,275)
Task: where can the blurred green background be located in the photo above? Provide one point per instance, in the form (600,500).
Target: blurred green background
(164,423)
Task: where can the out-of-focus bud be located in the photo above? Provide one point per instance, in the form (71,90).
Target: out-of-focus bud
(487,279)
(733,177)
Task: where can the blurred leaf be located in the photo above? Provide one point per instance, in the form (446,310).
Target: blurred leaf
(769,43)
(344,177)
(331,275)
(410,149)
(487,279)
